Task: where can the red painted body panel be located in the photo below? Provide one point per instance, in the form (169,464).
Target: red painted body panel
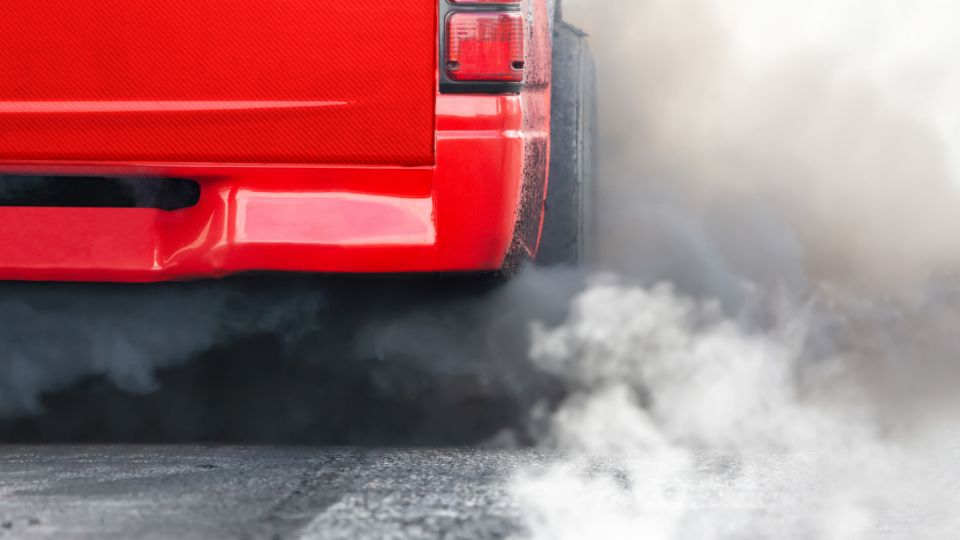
(459,212)
(251,81)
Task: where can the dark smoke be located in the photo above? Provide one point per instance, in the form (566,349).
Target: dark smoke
(54,335)
(278,359)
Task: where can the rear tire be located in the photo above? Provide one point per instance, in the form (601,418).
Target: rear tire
(569,226)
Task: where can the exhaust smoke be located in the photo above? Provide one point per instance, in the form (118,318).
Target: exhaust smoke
(775,356)
(55,335)
(766,348)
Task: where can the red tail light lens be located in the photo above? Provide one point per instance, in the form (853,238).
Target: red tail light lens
(485,46)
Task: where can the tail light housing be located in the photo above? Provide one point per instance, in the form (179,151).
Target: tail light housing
(485,47)
(482,46)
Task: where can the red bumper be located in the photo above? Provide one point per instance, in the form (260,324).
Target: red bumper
(459,215)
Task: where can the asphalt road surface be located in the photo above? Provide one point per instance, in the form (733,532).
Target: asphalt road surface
(255,492)
(277,492)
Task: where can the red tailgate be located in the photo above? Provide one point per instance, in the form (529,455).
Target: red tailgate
(236,81)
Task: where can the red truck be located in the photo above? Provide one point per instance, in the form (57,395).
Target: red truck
(155,140)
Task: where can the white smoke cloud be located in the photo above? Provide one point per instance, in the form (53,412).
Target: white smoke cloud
(838,118)
(684,425)
(791,170)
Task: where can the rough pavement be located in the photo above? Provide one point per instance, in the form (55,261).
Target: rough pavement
(255,492)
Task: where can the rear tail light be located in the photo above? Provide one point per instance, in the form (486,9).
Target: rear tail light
(482,46)
(485,46)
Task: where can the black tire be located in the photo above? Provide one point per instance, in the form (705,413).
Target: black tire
(569,226)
